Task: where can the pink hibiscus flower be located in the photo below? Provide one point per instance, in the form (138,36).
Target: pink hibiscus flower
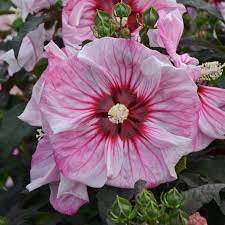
(67,196)
(212,115)
(168,34)
(78,16)
(118,116)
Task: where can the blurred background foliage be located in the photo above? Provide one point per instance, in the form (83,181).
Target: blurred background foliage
(201,175)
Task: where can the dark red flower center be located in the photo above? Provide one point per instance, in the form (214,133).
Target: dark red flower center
(138,112)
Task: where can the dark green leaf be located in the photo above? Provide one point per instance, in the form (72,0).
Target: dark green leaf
(197,197)
(12,130)
(40,66)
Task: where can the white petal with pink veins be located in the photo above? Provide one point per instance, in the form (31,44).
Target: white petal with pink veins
(80,155)
(151,157)
(43,167)
(68,203)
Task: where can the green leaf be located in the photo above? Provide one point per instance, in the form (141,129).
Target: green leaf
(201,5)
(197,197)
(40,66)
(12,130)
(181,165)
(4,6)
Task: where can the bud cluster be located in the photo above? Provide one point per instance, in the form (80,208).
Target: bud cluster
(116,23)
(145,209)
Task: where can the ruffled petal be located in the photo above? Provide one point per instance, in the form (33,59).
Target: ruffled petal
(155,39)
(126,61)
(9,57)
(43,167)
(170,30)
(211,121)
(151,157)
(69,187)
(71,198)
(71,92)
(163,6)
(176,104)
(214,96)
(32,113)
(77,20)
(80,155)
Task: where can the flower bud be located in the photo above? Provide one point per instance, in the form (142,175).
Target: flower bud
(151,212)
(125,33)
(144,198)
(150,17)
(178,217)
(101,18)
(102,31)
(172,199)
(121,211)
(121,10)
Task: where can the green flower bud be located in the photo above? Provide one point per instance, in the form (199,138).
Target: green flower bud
(178,217)
(153,210)
(172,199)
(101,18)
(150,17)
(102,31)
(121,211)
(104,25)
(145,197)
(121,10)
(125,33)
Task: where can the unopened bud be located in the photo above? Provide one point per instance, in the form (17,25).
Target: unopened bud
(145,197)
(151,212)
(121,211)
(172,199)
(121,9)
(178,218)
(125,33)
(101,18)
(150,17)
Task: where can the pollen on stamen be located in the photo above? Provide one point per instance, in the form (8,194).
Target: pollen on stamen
(211,71)
(118,113)
(40,134)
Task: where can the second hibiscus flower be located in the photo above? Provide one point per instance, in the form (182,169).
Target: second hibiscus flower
(78,16)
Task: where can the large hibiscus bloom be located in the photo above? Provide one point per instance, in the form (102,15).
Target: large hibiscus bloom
(117,116)
(78,16)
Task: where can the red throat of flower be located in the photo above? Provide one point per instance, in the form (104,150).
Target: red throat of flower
(121,113)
